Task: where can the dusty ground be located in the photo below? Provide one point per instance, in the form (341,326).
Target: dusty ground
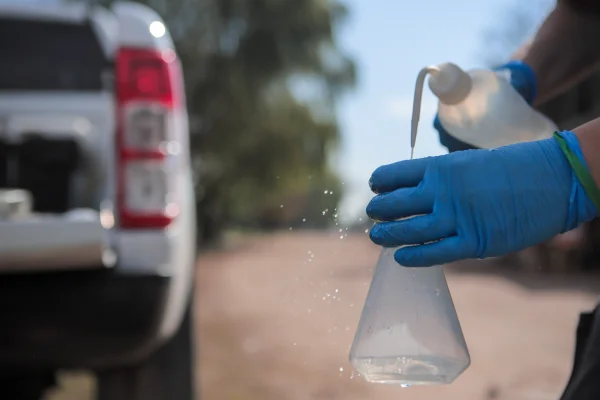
(277,315)
(269,329)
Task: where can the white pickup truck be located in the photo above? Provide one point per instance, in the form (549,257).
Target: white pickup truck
(97,221)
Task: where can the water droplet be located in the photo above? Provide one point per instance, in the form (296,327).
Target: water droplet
(366,231)
(340,229)
(291,228)
(303,219)
(281,206)
(323,298)
(437,292)
(327,191)
(360,219)
(405,385)
(331,192)
(337,290)
(341,369)
(294,343)
(341,237)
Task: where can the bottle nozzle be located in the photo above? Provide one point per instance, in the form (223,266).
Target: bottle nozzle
(416,111)
(448,82)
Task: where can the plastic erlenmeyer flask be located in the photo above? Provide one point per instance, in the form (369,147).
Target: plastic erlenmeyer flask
(409,332)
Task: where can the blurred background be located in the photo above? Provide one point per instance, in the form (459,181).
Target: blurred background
(292,104)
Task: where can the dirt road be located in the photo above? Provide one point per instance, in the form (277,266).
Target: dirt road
(277,315)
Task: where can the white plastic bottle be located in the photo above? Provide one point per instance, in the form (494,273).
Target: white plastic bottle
(481,108)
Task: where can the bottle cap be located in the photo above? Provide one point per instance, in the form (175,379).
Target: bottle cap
(450,83)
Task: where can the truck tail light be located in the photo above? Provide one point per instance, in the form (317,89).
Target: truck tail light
(149,91)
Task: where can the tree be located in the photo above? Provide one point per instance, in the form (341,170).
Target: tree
(255,145)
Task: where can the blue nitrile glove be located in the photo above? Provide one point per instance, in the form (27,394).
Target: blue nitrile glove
(521,77)
(478,203)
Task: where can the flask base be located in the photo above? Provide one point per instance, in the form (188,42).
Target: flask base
(409,370)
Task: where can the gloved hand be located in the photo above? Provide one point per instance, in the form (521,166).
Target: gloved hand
(478,203)
(521,77)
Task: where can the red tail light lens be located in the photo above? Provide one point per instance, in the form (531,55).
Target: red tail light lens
(148,75)
(149,89)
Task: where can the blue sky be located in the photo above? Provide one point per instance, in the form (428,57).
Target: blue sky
(391,41)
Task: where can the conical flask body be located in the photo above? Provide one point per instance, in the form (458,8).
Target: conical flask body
(409,333)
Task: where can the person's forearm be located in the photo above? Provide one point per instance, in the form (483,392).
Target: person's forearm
(589,141)
(564,51)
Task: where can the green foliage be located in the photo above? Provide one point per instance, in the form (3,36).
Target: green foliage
(255,145)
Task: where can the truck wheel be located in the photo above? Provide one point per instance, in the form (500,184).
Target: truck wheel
(167,374)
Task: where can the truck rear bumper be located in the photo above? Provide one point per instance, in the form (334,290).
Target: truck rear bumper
(49,242)
(79,319)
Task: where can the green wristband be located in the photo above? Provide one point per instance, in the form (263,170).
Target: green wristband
(581,171)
